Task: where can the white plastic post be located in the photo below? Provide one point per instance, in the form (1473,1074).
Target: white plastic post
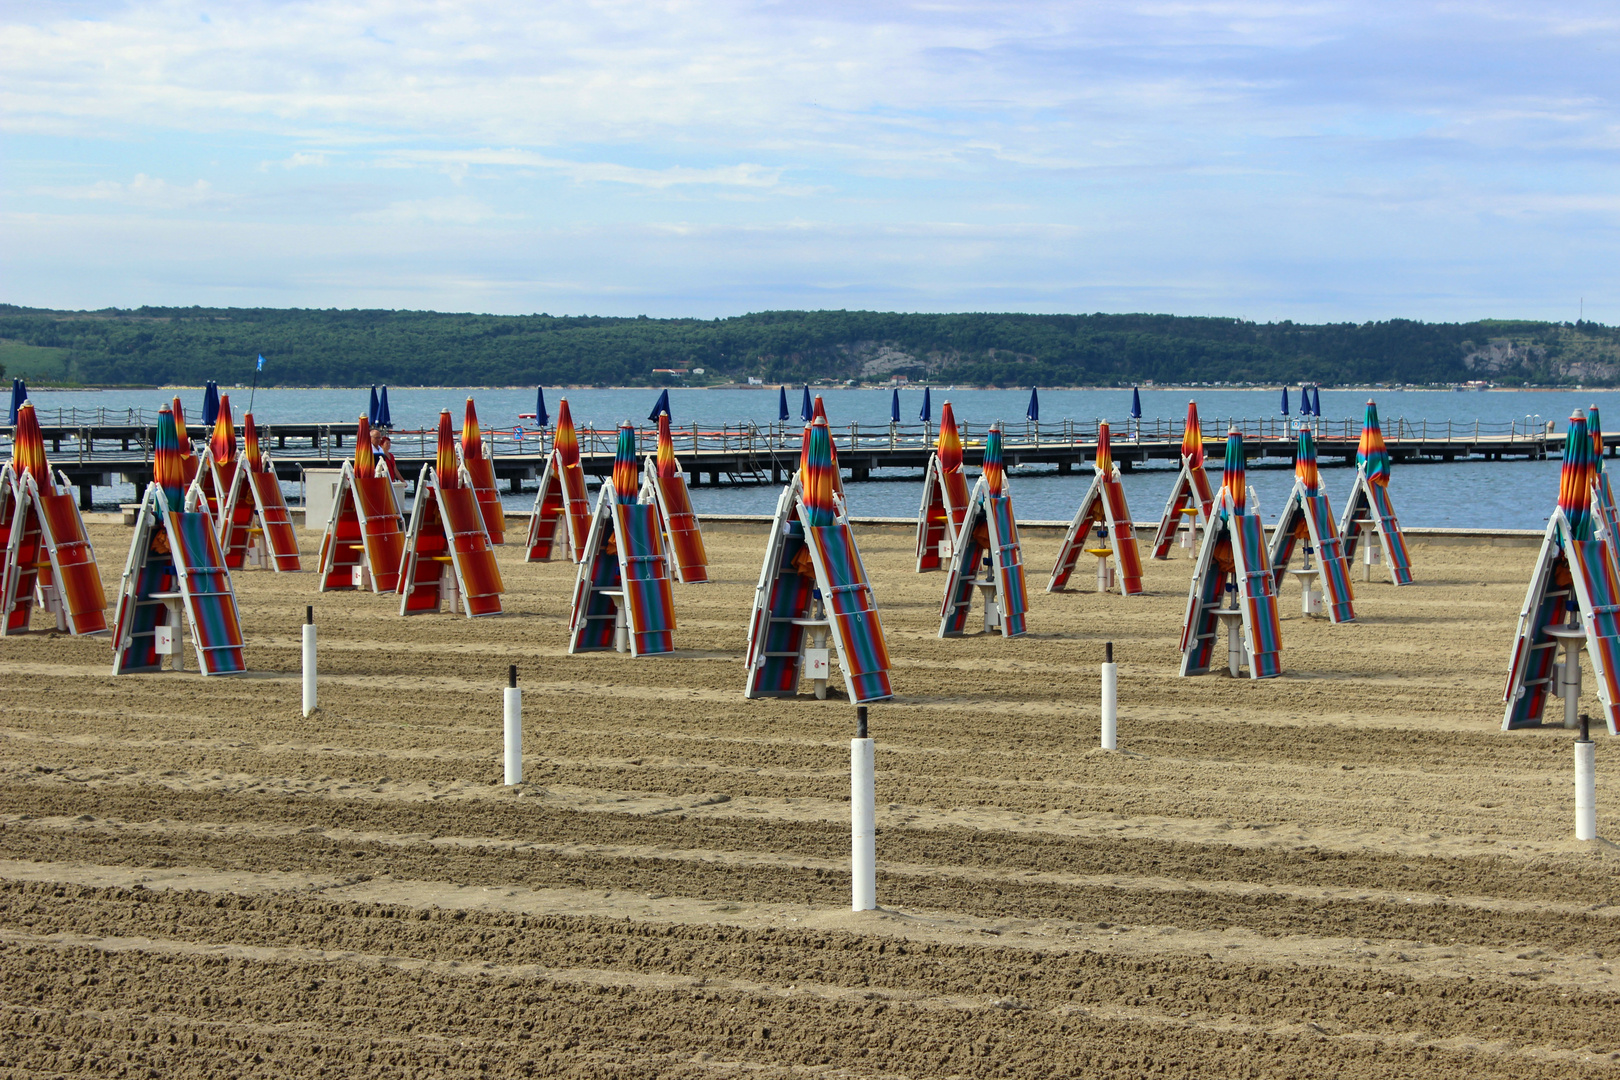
(1110,700)
(1585,785)
(309,660)
(863,819)
(1571,690)
(512,700)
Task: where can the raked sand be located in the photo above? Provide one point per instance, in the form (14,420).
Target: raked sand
(1346,872)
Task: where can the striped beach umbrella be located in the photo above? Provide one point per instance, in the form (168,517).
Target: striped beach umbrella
(949,443)
(565,440)
(182,434)
(365,458)
(995,470)
(444,459)
(472,439)
(665,461)
(625,473)
(1305,462)
(818,411)
(167,468)
(1192,437)
(1233,476)
(1594,428)
(1574,479)
(1105,449)
(1371,454)
(250,445)
(222,444)
(818,488)
(28,449)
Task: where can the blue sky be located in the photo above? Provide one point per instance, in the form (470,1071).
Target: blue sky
(1312,161)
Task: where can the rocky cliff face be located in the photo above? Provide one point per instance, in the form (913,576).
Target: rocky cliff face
(1570,357)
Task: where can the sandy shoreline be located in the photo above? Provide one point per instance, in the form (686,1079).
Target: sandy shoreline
(1345,872)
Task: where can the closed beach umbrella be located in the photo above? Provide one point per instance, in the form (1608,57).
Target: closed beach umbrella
(1371,453)
(1136,404)
(385,419)
(210,410)
(781,403)
(993,463)
(1233,477)
(927,413)
(371,410)
(542,418)
(819,474)
(1574,480)
(1285,401)
(659,406)
(19,394)
(626,485)
(806,410)
(1034,410)
(444,458)
(1305,463)
(167,469)
(894,407)
(28,450)
(1305,402)
(1192,437)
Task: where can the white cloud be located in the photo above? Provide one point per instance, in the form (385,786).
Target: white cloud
(149,192)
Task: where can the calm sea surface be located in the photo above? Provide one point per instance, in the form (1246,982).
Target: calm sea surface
(1474,494)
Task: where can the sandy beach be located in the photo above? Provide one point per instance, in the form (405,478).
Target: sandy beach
(1346,872)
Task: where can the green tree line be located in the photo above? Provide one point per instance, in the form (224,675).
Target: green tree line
(353,348)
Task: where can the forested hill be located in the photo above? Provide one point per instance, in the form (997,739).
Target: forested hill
(347,348)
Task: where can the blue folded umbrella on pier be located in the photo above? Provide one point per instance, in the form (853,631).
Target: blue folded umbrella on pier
(1034,410)
(1285,401)
(385,419)
(1136,404)
(927,413)
(210,409)
(371,410)
(894,407)
(660,406)
(781,404)
(1316,401)
(19,394)
(542,418)
(806,410)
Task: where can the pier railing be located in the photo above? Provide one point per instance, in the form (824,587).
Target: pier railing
(87,435)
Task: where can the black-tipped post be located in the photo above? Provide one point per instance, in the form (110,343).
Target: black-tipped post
(511,676)
(1586,728)
(1108,653)
(860,721)
(309,614)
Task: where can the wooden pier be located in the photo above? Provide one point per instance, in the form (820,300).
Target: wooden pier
(93,447)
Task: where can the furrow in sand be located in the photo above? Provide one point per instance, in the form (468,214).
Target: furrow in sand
(1584,878)
(937,887)
(90,1009)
